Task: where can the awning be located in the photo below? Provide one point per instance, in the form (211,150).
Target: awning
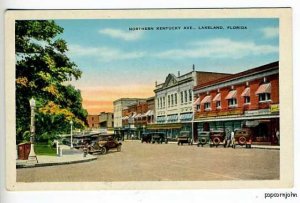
(125,117)
(160,118)
(172,118)
(138,115)
(149,113)
(246,92)
(206,99)
(197,101)
(217,97)
(186,116)
(231,94)
(264,88)
(133,115)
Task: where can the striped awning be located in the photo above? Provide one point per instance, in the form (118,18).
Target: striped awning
(125,117)
(246,92)
(197,101)
(206,99)
(231,95)
(264,88)
(217,97)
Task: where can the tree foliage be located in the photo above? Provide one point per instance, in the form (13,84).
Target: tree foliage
(42,71)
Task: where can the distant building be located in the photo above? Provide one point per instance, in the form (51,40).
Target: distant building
(174,101)
(119,105)
(93,121)
(106,120)
(246,99)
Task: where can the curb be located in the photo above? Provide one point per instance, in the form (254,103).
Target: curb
(54,163)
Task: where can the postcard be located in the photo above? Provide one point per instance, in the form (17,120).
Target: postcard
(148,99)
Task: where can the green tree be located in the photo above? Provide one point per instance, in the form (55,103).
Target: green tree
(42,71)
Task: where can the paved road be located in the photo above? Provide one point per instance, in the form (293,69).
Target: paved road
(156,162)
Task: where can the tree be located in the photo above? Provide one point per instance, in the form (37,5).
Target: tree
(42,71)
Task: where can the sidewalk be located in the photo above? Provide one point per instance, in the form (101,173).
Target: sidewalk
(69,156)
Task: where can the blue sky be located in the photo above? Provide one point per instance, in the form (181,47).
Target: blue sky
(111,56)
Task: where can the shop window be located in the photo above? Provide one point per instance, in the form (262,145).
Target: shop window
(232,102)
(264,97)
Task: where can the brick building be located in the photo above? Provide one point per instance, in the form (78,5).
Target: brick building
(246,99)
(93,121)
(174,101)
(106,120)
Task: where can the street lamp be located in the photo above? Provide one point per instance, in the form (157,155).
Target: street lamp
(32,155)
(71,123)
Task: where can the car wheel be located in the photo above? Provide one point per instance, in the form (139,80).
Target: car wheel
(103,150)
(203,141)
(242,140)
(119,148)
(216,141)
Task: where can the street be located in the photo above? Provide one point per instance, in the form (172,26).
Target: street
(163,162)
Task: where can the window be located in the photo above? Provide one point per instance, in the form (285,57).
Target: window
(158,103)
(264,97)
(164,102)
(247,100)
(161,102)
(191,95)
(181,94)
(198,107)
(175,95)
(207,106)
(172,99)
(218,104)
(232,102)
(185,96)
(168,100)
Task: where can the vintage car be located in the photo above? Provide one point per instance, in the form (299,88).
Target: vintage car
(103,144)
(243,137)
(204,138)
(217,137)
(184,137)
(146,137)
(159,137)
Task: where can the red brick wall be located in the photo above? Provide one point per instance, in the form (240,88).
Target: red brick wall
(93,121)
(254,99)
(204,77)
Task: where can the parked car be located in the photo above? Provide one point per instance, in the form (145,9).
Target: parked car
(243,137)
(159,137)
(204,138)
(146,137)
(217,137)
(103,144)
(184,137)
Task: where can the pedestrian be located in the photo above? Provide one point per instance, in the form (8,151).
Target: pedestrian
(277,136)
(232,140)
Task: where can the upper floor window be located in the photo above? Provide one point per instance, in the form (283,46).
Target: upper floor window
(185,96)
(264,92)
(264,97)
(190,95)
(158,103)
(169,101)
(172,99)
(206,101)
(207,106)
(247,100)
(231,97)
(232,102)
(198,107)
(218,104)
(246,95)
(181,94)
(164,102)
(175,95)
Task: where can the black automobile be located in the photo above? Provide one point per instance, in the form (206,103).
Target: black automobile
(103,144)
(204,138)
(184,137)
(159,137)
(146,137)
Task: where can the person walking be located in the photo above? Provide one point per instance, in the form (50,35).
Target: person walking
(232,139)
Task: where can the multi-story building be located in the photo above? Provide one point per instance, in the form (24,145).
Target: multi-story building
(174,101)
(119,105)
(106,120)
(246,99)
(136,117)
(93,121)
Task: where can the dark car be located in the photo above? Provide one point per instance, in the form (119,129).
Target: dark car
(103,144)
(217,137)
(159,137)
(146,137)
(184,137)
(243,137)
(204,138)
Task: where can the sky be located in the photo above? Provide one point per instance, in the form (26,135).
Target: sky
(119,59)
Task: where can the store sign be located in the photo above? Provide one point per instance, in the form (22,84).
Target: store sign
(274,108)
(257,112)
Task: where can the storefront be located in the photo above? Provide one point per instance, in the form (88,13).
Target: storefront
(172,130)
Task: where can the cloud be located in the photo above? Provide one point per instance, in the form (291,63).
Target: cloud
(120,34)
(219,48)
(104,53)
(270,32)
